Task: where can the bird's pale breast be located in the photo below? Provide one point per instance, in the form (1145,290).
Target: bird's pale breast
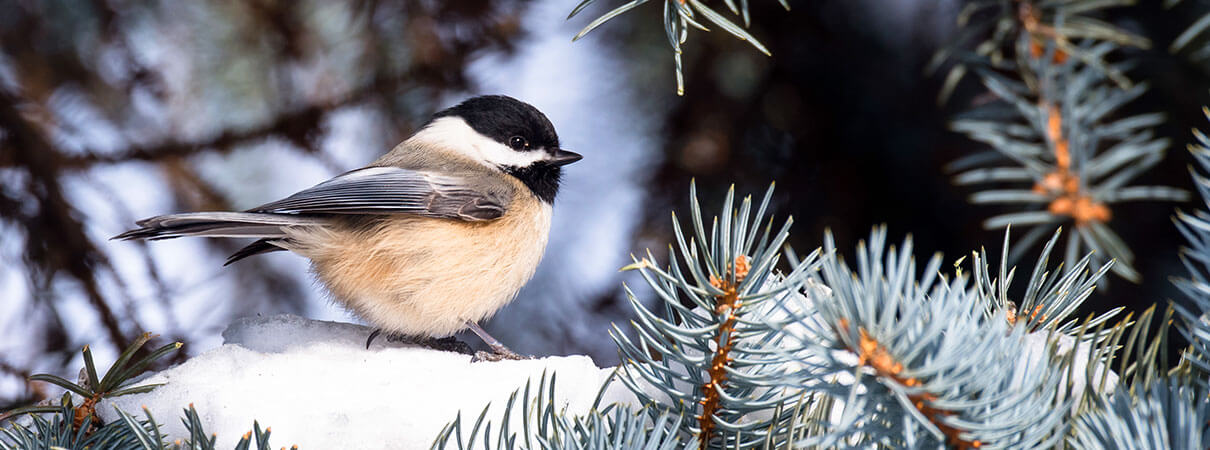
(427,277)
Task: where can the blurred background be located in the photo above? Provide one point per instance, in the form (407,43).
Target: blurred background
(115,110)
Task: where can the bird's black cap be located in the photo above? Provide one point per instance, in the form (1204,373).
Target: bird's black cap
(501,118)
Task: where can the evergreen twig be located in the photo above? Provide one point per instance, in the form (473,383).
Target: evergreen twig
(679,17)
(1065,158)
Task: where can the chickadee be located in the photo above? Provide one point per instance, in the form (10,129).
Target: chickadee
(436,235)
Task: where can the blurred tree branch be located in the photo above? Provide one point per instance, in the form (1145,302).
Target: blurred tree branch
(297,126)
(55,238)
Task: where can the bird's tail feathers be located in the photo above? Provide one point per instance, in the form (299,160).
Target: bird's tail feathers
(217,224)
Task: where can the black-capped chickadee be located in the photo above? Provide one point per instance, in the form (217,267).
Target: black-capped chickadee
(433,237)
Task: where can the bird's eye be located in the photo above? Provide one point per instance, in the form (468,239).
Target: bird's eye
(518,143)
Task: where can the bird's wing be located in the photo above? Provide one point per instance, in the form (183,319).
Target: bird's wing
(394,190)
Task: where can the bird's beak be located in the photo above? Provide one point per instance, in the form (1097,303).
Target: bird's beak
(561,157)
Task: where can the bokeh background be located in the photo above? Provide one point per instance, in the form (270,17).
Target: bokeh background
(115,110)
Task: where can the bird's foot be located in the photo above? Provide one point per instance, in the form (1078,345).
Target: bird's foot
(446,344)
(499,353)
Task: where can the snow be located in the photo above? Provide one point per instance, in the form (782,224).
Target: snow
(1035,354)
(317,386)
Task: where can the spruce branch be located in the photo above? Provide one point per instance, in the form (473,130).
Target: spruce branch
(93,388)
(679,16)
(882,354)
(1195,227)
(916,360)
(1162,407)
(717,355)
(1050,294)
(56,429)
(1193,40)
(1006,34)
(1069,161)
(1167,413)
(1145,352)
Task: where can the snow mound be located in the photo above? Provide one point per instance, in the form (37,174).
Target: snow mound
(317,386)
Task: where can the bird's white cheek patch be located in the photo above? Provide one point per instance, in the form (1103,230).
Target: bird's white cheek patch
(496,154)
(454,133)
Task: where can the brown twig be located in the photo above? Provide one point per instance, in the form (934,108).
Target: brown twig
(1063,184)
(725,307)
(1010,314)
(1039,33)
(872,354)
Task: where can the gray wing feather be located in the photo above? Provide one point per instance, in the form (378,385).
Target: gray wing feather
(393,190)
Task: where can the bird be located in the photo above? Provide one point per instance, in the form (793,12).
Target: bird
(433,237)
